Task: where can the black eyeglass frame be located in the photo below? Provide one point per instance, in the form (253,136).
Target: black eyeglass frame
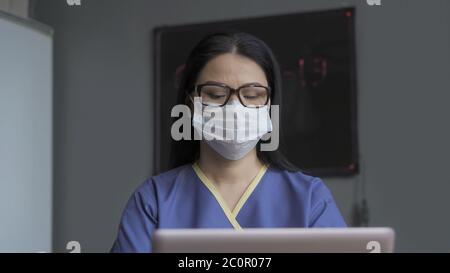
(198,87)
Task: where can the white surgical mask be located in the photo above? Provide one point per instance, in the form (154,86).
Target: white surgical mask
(232,130)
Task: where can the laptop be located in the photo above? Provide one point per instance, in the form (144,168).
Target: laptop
(274,240)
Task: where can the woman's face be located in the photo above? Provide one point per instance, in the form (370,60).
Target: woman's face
(233,70)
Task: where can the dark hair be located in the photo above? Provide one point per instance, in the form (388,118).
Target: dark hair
(217,43)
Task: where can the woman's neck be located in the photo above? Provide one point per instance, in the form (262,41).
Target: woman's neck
(226,172)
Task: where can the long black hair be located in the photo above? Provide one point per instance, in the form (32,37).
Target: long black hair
(214,44)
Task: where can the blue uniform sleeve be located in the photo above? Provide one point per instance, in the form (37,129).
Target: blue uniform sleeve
(324,211)
(138,221)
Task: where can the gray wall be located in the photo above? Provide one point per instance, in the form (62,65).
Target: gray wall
(103,110)
(16,7)
(25,135)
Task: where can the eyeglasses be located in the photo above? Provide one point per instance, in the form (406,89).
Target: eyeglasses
(218,94)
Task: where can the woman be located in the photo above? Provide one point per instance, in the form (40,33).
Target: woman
(222,183)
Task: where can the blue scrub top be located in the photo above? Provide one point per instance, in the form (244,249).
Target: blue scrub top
(185,198)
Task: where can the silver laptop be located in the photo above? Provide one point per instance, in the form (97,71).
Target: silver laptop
(273,240)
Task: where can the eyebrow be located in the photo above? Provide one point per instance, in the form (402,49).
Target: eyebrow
(249,83)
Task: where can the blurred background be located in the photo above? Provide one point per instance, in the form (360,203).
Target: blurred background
(91,142)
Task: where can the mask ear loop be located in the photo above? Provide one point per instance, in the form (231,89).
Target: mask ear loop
(190,99)
(266,137)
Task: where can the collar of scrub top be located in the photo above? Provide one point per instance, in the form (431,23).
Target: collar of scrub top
(231,214)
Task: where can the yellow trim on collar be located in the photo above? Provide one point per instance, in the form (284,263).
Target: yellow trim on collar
(251,187)
(231,215)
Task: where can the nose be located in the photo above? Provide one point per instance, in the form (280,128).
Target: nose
(234,97)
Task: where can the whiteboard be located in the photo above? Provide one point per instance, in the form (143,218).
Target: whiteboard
(25,135)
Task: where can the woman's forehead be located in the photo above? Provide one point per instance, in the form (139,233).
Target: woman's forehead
(232,69)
